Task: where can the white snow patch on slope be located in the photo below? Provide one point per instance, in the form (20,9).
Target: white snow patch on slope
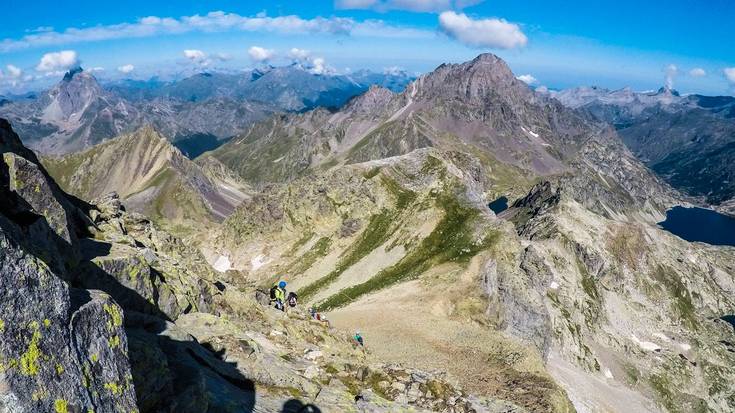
(222,264)
(645,345)
(258,262)
(662,337)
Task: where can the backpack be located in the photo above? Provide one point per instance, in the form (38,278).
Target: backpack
(292,298)
(273,292)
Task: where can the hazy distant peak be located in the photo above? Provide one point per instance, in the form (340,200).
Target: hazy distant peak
(73,71)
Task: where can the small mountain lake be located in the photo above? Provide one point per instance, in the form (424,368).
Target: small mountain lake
(499,205)
(701,225)
(730,319)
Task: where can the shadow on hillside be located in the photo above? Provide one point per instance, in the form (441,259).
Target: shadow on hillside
(171,370)
(297,406)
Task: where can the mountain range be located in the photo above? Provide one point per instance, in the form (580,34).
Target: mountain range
(199,112)
(688,140)
(376,214)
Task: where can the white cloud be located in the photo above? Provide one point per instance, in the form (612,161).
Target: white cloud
(410,5)
(58,61)
(527,79)
(697,72)
(125,69)
(259,54)
(315,65)
(96,69)
(394,70)
(729,73)
(319,66)
(494,33)
(216,21)
(195,55)
(222,57)
(201,58)
(298,55)
(671,72)
(55,73)
(14,71)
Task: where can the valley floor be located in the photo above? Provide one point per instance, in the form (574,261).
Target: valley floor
(415,324)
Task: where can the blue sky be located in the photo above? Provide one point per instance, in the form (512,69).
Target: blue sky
(559,44)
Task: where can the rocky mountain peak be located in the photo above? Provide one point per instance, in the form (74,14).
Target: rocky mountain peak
(73,71)
(665,90)
(149,131)
(374,98)
(71,96)
(475,80)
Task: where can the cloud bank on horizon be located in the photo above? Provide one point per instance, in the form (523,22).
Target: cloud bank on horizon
(419,34)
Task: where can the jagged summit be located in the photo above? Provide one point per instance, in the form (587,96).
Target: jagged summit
(665,90)
(375,97)
(73,71)
(474,81)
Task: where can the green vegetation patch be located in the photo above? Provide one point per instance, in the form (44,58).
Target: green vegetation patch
(451,241)
(372,173)
(29,361)
(380,228)
(318,250)
(300,243)
(377,232)
(682,297)
(403,197)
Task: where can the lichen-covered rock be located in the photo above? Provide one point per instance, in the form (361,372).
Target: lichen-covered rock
(46,343)
(101,344)
(28,182)
(57,351)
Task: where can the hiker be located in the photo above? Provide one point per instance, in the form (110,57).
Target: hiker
(278,295)
(292,299)
(359,340)
(319,317)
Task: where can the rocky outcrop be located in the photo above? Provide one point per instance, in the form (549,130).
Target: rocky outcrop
(65,343)
(62,349)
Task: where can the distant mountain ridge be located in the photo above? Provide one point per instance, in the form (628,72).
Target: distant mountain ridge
(688,140)
(478,105)
(151,176)
(78,112)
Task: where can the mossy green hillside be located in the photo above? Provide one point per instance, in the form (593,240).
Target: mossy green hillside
(452,240)
(380,228)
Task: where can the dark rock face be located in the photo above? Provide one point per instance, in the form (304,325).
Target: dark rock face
(75,281)
(61,349)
